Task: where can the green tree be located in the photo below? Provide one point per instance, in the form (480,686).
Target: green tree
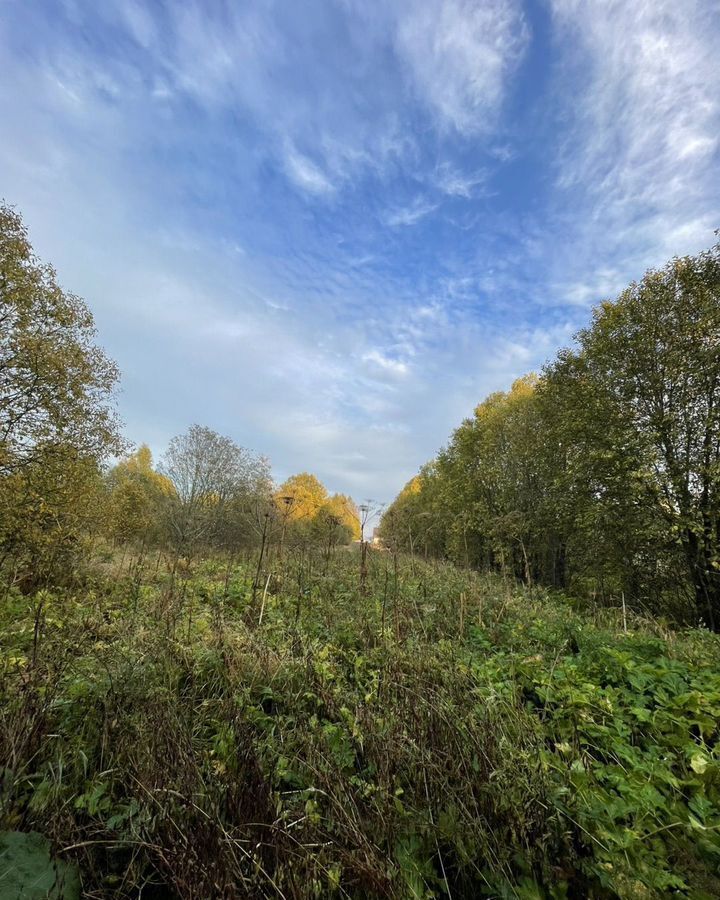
(604,474)
(654,355)
(56,384)
(421,516)
(137,495)
(50,510)
(57,421)
(599,491)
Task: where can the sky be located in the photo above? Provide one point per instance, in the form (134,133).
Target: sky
(329,228)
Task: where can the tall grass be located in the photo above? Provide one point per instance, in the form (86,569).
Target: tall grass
(436,734)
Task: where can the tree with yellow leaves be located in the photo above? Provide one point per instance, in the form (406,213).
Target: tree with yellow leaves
(137,493)
(307,508)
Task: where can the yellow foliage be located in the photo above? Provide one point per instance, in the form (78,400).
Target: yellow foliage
(301,497)
(136,489)
(140,463)
(414,486)
(343,509)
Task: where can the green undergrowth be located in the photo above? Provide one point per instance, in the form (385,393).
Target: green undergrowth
(431,733)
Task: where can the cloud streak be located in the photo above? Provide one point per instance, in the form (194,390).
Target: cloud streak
(330,229)
(643,152)
(461,55)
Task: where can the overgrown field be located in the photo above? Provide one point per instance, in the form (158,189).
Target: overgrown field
(431,733)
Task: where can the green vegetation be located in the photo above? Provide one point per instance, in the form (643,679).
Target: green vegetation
(602,476)
(207,692)
(440,734)
(29,871)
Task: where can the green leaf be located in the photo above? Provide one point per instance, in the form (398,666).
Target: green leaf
(28,871)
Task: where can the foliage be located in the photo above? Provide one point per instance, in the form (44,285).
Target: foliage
(137,495)
(603,475)
(48,511)
(28,872)
(55,384)
(439,734)
(654,354)
(310,513)
(303,494)
(57,423)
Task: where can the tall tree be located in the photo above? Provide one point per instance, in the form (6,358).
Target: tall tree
(656,354)
(56,384)
(57,419)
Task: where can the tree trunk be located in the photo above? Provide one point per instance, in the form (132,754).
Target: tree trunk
(705,579)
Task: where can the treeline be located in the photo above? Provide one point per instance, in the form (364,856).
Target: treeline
(209,494)
(58,431)
(600,476)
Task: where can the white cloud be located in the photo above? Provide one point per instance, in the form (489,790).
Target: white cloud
(410,214)
(385,364)
(460,54)
(633,148)
(454,183)
(304,173)
(647,116)
(348,113)
(236,59)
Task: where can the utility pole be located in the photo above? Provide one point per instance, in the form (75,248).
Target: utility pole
(364,516)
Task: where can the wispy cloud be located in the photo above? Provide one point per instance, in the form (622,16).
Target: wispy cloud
(455,183)
(330,228)
(409,214)
(305,173)
(647,120)
(461,54)
(385,365)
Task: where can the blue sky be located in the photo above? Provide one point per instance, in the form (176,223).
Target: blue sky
(329,228)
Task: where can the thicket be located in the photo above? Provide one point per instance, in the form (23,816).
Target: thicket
(600,476)
(436,734)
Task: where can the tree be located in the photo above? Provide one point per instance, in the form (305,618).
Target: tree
(419,518)
(56,385)
(50,509)
(57,421)
(307,512)
(339,515)
(137,496)
(212,477)
(604,474)
(599,484)
(655,353)
(306,496)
